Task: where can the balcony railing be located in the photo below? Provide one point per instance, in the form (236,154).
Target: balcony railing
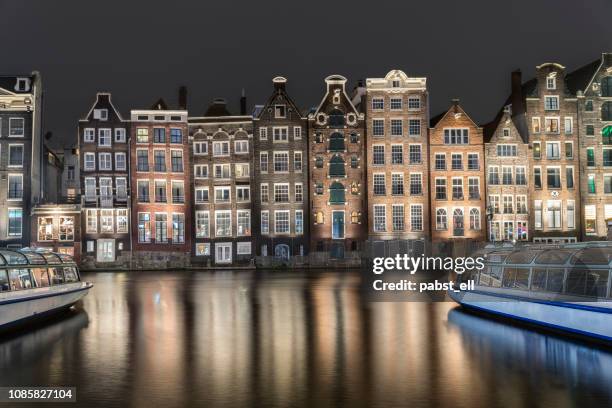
(105,201)
(178,199)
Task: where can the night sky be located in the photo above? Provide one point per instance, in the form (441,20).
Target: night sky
(143,50)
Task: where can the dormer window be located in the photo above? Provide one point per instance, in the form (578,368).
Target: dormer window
(506,132)
(396,83)
(551,81)
(101,114)
(23,85)
(280,111)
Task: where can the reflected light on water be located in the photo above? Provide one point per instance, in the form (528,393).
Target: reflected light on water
(283,339)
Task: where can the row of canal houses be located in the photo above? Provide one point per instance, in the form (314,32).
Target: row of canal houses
(171,185)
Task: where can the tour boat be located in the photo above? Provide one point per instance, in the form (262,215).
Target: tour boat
(562,287)
(36,283)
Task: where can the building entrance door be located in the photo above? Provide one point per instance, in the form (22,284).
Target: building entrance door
(338,224)
(106,250)
(223,252)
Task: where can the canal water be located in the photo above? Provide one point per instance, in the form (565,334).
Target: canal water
(292,339)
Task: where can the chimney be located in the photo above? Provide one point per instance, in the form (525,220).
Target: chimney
(455,102)
(182,98)
(516,97)
(243,103)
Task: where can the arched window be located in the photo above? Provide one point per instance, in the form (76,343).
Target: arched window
(441,221)
(606,86)
(336,118)
(458,226)
(355,217)
(475,219)
(606,111)
(336,193)
(336,142)
(281,251)
(319,162)
(319,217)
(336,167)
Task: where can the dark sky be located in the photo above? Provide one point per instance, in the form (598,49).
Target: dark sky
(141,50)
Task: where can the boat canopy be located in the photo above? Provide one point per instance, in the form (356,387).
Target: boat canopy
(30,256)
(596,254)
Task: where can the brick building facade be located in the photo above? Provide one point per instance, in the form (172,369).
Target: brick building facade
(456,163)
(160,176)
(21,156)
(595,148)
(222,157)
(104,183)
(507,178)
(551,109)
(397,118)
(280,189)
(338,191)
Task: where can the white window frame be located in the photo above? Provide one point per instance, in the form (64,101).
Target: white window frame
(276,231)
(90,155)
(117,155)
(108,158)
(120,135)
(11,145)
(195,171)
(89,135)
(103,134)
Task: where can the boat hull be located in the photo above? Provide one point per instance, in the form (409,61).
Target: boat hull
(20,307)
(577,318)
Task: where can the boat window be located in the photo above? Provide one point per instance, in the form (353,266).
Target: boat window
(70,274)
(14,258)
(4,281)
(52,258)
(509,277)
(20,279)
(597,283)
(56,276)
(496,274)
(34,258)
(554,257)
(592,256)
(497,256)
(468,276)
(66,258)
(517,278)
(522,278)
(554,280)
(538,279)
(576,282)
(521,257)
(41,276)
(491,276)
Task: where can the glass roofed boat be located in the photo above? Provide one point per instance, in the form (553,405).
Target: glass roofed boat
(36,283)
(564,287)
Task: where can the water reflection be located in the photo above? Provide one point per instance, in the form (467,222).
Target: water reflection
(292,339)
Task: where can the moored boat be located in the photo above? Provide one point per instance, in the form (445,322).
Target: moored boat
(562,287)
(35,283)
